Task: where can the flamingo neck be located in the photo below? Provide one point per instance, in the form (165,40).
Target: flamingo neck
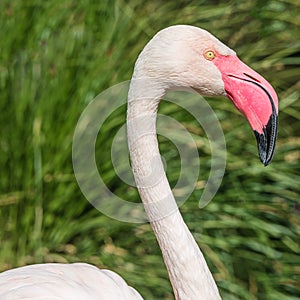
(187,268)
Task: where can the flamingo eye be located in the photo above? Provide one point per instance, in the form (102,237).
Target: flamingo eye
(209,54)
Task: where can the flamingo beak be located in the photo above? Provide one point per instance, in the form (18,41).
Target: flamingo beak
(255,98)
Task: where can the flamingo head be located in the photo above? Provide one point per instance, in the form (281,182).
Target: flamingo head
(187,57)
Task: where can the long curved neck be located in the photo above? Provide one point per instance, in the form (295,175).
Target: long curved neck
(187,268)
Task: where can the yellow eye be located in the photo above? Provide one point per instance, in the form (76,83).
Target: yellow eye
(210,55)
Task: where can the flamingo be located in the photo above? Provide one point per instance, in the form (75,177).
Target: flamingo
(177,57)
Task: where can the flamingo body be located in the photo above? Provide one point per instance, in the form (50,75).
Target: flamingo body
(77,281)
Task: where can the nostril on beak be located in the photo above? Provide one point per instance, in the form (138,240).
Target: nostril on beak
(251,77)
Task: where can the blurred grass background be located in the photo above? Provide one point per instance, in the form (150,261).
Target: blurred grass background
(56,56)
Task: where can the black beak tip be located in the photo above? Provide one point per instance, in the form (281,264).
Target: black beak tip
(262,147)
(266,141)
(265,163)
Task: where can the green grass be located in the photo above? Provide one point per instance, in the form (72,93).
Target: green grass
(56,56)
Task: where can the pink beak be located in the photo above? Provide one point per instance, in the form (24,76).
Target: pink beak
(255,98)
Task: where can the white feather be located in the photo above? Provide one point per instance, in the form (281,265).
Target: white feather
(77,281)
